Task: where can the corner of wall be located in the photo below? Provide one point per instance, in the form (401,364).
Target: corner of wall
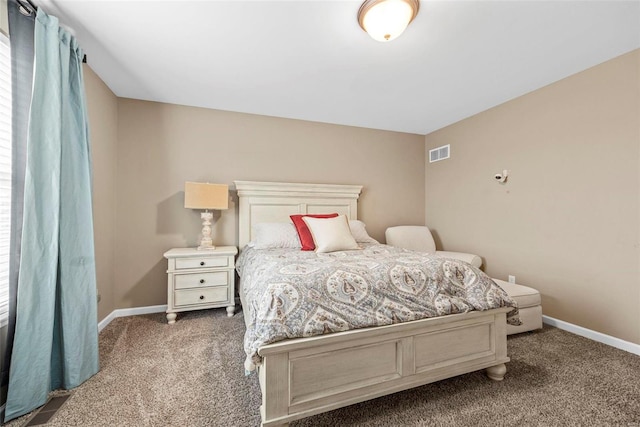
(102,109)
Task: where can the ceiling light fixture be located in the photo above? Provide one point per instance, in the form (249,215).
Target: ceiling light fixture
(385,20)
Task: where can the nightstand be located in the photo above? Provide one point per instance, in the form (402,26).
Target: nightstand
(200,279)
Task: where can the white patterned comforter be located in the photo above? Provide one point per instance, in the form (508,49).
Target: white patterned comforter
(291,293)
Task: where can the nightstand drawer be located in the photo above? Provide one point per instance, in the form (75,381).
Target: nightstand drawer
(200,296)
(201,262)
(200,280)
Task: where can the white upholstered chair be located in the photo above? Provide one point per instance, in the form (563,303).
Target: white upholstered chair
(419,238)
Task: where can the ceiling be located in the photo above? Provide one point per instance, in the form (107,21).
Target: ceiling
(310,60)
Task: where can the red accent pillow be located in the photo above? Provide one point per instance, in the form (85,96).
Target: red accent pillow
(306,239)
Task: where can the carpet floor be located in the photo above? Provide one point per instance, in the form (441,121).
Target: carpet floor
(191,374)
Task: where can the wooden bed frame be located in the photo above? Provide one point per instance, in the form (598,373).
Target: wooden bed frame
(307,376)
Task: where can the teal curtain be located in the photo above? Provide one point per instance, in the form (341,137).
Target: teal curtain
(56,338)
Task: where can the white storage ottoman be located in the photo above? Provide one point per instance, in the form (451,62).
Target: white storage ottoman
(529,304)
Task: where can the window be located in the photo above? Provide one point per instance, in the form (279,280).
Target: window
(5,176)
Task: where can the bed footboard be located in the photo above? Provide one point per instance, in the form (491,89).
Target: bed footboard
(308,376)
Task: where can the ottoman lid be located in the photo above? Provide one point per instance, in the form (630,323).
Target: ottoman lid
(523,295)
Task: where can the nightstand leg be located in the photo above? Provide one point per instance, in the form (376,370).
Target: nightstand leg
(171,317)
(230,310)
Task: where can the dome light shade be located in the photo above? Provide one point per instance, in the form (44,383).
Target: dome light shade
(384,20)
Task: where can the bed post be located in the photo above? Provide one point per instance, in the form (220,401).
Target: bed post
(497,372)
(275,392)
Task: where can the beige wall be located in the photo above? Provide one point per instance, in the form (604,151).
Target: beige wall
(103,126)
(160,146)
(567,222)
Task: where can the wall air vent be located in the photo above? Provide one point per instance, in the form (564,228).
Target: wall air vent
(439,153)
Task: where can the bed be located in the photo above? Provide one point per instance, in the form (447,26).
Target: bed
(301,377)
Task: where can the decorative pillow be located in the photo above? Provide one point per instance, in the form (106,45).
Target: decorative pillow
(267,235)
(331,234)
(306,239)
(360,233)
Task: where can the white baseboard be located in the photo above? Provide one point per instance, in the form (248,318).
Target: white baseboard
(593,335)
(123,312)
(104,322)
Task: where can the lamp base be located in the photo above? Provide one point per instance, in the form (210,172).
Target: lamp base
(206,244)
(206,248)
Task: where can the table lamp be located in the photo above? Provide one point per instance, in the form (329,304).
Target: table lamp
(206,196)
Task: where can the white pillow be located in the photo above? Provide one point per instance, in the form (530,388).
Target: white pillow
(360,233)
(331,234)
(267,235)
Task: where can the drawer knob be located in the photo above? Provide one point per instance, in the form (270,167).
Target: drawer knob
(201,262)
(201,280)
(201,296)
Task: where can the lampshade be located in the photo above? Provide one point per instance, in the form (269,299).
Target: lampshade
(385,20)
(206,196)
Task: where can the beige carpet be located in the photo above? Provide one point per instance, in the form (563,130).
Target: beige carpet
(191,374)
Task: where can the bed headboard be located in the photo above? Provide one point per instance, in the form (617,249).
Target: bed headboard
(275,201)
